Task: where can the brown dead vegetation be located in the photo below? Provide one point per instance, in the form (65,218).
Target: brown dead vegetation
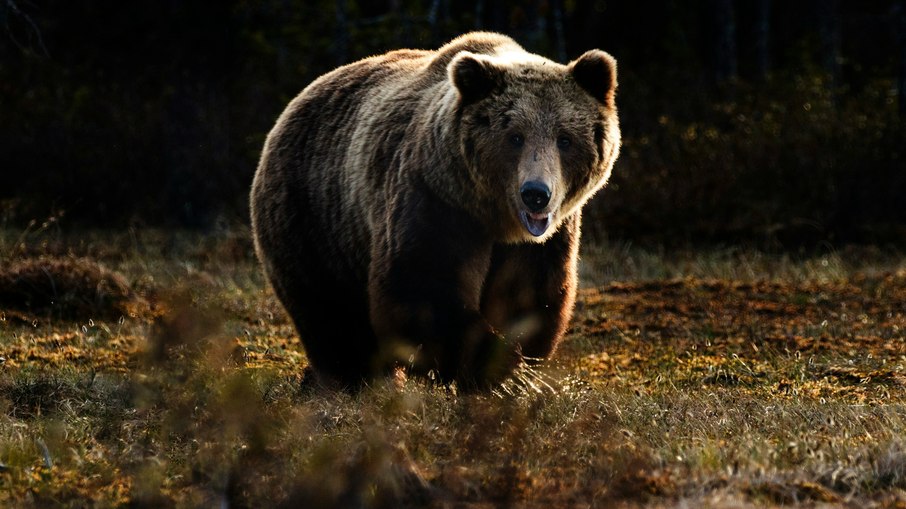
(67,288)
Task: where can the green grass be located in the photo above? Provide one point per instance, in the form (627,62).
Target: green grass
(711,378)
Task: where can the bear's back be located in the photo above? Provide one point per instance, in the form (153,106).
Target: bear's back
(484,43)
(411,69)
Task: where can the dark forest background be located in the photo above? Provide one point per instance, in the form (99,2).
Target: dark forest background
(757,121)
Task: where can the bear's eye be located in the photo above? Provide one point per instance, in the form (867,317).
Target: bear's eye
(517,140)
(563,142)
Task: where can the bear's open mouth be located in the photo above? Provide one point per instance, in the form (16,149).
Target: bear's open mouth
(536,224)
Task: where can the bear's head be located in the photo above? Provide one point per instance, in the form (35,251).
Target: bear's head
(538,138)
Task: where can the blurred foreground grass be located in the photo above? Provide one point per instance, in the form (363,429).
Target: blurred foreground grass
(698,378)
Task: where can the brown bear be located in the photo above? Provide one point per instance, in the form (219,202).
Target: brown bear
(422,208)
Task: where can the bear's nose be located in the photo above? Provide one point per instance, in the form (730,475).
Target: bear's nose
(535,195)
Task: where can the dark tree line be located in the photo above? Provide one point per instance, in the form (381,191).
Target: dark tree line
(154,112)
(899,11)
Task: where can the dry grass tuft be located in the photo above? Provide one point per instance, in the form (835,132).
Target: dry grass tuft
(68,288)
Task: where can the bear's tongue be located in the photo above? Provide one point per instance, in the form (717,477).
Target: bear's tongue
(536,224)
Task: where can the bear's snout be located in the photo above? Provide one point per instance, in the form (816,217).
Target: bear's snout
(535,195)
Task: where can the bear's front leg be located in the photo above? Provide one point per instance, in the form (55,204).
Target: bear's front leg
(428,266)
(530,290)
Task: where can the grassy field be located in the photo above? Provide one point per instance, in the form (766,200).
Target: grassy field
(164,373)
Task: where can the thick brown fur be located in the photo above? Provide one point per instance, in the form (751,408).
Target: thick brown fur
(386,207)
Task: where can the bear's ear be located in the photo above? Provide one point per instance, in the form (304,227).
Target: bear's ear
(474,76)
(596,72)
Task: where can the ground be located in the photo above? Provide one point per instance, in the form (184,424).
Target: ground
(718,377)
